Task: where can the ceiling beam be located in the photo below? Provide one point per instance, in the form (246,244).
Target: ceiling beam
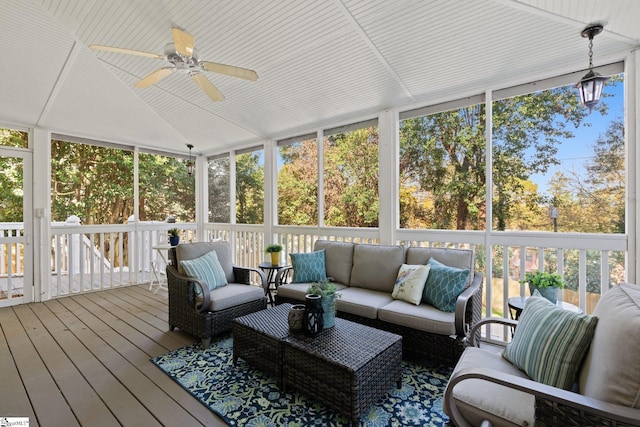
(62,76)
(363,35)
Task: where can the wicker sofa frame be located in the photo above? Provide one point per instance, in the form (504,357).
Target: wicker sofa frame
(422,344)
(193,317)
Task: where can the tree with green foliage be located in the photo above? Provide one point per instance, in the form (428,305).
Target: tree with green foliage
(249,189)
(298,184)
(219,183)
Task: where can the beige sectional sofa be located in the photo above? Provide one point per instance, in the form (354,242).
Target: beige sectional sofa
(365,276)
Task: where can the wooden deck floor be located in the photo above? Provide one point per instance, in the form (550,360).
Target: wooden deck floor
(84,360)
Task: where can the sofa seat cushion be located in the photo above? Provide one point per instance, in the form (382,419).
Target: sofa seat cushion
(297,291)
(338,259)
(376,267)
(480,400)
(611,371)
(362,302)
(234,294)
(422,317)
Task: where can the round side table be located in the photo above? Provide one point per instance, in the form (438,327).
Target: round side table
(516,305)
(272,272)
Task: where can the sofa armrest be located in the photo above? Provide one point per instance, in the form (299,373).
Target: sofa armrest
(576,408)
(175,279)
(242,275)
(283,274)
(464,299)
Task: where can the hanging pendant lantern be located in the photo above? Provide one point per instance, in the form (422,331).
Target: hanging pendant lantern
(591,85)
(190,163)
(313,321)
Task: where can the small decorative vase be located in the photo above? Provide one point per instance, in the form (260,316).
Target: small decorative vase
(550,292)
(174,240)
(329,308)
(296,315)
(313,320)
(275,258)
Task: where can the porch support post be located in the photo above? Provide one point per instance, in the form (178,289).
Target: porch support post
(41,146)
(632,159)
(202,196)
(270,191)
(488,102)
(232,204)
(388,176)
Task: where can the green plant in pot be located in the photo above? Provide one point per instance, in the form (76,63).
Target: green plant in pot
(328,293)
(174,236)
(274,249)
(546,283)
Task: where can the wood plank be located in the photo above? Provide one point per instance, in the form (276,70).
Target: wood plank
(48,404)
(81,397)
(159,393)
(14,399)
(100,364)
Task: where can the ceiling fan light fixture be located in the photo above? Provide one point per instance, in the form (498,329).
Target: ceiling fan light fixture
(191,165)
(590,86)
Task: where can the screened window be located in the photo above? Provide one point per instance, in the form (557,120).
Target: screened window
(351,175)
(442,166)
(298,181)
(250,187)
(14,138)
(219,198)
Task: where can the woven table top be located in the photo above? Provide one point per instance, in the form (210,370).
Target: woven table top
(348,343)
(271,321)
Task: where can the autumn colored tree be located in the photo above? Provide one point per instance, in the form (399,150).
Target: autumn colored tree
(298,184)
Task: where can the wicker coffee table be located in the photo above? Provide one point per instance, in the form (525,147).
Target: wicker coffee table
(347,367)
(258,339)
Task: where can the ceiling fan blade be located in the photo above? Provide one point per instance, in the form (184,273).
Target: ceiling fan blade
(208,87)
(122,50)
(230,70)
(154,77)
(183,42)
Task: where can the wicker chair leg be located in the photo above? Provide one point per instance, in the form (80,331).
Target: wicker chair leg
(205,343)
(172,327)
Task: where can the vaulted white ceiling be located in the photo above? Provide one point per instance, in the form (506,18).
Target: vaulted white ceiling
(320,63)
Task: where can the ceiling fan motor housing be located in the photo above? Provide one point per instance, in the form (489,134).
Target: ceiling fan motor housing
(181,62)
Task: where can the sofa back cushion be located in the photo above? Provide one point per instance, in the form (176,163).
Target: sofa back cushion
(611,370)
(376,267)
(189,251)
(459,258)
(338,259)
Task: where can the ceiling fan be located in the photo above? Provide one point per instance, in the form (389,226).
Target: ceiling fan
(185,58)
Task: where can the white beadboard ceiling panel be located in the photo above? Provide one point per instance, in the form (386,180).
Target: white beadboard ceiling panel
(320,63)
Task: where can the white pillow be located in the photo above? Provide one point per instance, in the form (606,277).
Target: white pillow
(410,283)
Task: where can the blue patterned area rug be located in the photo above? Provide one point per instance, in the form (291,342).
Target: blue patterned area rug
(244,396)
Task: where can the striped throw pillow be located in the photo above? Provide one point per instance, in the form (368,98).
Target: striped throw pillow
(206,268)
(550,343)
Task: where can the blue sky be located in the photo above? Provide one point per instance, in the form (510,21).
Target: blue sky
(574,153)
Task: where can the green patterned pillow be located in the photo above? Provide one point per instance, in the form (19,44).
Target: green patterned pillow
(444,285)
(308,267)
(410,283)
(550,343)
(206,268)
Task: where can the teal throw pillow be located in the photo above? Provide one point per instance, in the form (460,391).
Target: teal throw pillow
(550,343)
(308,267)
(206,268)
(444,285)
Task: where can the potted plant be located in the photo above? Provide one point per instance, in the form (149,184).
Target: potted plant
(328,293)
(274,249)
(174,236)
(546,283)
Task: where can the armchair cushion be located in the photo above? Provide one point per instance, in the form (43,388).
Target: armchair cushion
(206,268)
(197,249)
(550,343)
(308,267)
(444,285)
(611,370)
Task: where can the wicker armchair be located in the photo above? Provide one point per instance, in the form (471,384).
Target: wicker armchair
(485,386)
(212,313)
